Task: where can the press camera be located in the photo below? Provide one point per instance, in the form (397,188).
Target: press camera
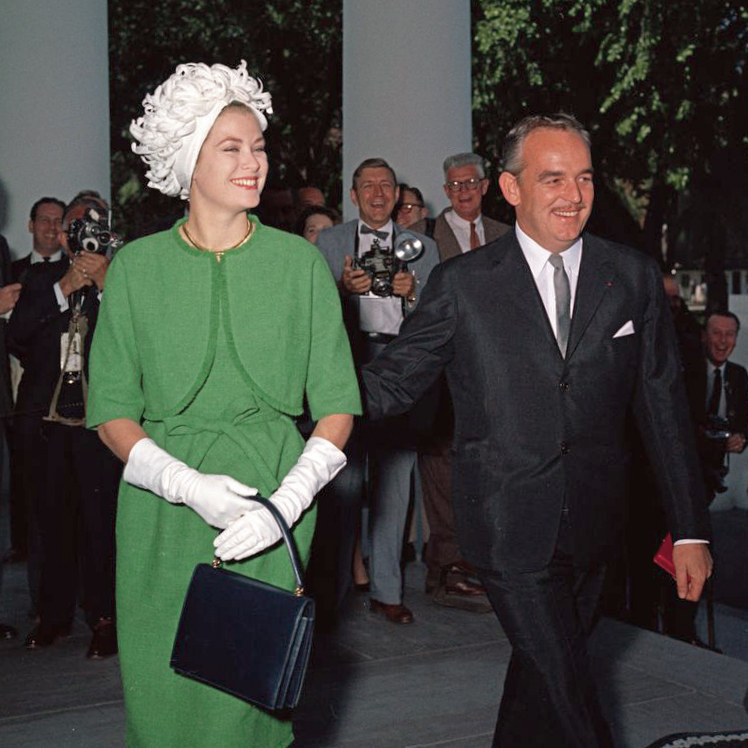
(382,263)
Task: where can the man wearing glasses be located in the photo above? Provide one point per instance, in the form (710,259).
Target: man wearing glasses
(410,208)
(458,229)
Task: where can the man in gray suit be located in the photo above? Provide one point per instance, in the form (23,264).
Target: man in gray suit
(456,230)
(550,338)
(372,322)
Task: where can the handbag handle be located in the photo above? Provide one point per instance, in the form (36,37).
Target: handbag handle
(287,539)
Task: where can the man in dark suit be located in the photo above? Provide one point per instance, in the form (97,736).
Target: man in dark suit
(372,321)
(549,337)
(8,297)
(45,221)
(718,396)
(75,498)
(456,230)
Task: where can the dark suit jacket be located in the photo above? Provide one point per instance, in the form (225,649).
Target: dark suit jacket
(447,242)
(34,335)
(442,421)
(20,269)
(712,452)
(5,278)
(534,430)
(736,394)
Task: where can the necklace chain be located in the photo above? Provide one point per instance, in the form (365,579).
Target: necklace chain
(220,252)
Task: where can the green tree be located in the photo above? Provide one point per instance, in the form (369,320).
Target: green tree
(293,46)
(660,85)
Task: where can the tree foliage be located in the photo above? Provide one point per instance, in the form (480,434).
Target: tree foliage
(293,46)
(661,86)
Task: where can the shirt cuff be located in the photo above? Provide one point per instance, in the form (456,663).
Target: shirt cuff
(61,299)
(684,541)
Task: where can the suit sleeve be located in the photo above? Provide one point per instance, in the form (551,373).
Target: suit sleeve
(663,417)
(37,306)
(410,364)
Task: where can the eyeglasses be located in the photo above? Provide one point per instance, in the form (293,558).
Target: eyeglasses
(468,184)
(407,207)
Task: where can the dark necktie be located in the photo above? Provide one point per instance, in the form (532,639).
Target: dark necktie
(563,301)
(46,259)
(474,240)
(713,408)
(379,234)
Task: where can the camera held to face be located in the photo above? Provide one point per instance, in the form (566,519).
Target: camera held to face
(92,234)
(381,264)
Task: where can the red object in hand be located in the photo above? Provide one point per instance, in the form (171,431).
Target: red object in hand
(664,556)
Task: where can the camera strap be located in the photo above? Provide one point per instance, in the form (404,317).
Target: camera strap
(72,366)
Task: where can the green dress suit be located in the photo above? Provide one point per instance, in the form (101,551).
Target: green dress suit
(213,358)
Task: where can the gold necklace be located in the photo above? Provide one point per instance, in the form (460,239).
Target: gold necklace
(219,253)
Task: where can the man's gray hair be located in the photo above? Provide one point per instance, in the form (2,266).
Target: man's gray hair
(465,159)
(515,139)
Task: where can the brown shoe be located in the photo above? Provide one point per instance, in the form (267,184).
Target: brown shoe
(395,613)
(45,635)
(457,590)
(104,640)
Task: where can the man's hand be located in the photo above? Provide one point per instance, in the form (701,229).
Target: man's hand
(354,280)
(735,443)
(74,279)
(93,266)
(403,284)
(9,296)
(693,566)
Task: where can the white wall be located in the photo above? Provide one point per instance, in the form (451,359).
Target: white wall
(406,89)
(54,107)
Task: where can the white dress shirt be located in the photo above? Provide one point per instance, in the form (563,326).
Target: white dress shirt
(376,313)
(542,271)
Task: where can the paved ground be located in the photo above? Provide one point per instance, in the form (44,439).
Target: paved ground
(376,685)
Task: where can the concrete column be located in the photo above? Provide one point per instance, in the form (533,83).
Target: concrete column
(406,89)
(54,100)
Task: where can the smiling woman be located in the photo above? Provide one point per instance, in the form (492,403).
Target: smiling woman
(210,337)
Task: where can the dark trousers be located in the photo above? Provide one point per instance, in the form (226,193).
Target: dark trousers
(28,467)
(338,514)
(436,481)
(549,696)
(76,511)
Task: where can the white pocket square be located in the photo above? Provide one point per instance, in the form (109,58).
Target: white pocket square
(627,329)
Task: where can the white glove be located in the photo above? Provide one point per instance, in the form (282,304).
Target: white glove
(256,530)
(218,499)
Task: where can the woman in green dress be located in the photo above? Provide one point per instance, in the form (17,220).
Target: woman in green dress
(210,335)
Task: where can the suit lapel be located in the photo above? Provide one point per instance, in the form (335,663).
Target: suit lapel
(596,277)
(514,280)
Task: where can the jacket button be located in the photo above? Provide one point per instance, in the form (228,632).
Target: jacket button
(564,386)
(565,448)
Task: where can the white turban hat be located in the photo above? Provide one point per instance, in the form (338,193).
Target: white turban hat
(178,117)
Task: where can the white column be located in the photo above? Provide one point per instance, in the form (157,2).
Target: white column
(406,89)
(54,107)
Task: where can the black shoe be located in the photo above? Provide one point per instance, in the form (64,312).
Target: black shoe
(7,632)
(104,640)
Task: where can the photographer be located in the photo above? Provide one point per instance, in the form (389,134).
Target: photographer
(376,294)
(718,397)
(75,495)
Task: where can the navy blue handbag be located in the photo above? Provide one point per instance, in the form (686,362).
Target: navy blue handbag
(244,636)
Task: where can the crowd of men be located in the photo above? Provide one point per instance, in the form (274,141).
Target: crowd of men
(63,480)
(458,387)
